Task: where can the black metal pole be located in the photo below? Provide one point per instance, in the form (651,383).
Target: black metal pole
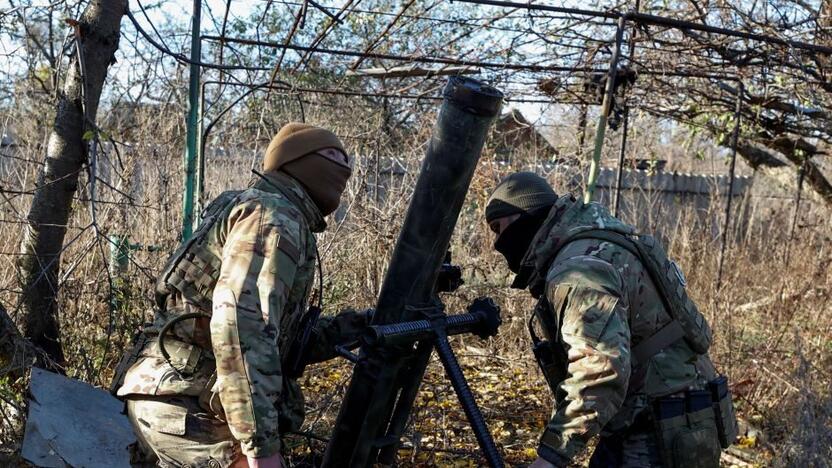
(623,152)
(467,112)
(727,223)
(582,130)
(621,155)
(606,107)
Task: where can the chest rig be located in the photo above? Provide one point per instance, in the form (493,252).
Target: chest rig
(193,269)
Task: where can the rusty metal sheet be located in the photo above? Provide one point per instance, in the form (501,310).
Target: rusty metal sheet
(72,423)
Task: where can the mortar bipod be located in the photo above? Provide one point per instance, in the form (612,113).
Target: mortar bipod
(483,320)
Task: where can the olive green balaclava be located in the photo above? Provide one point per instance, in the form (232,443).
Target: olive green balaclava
(293,151)
(519,193)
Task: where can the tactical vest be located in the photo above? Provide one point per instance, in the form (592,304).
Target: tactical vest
(687,322)
(193,270)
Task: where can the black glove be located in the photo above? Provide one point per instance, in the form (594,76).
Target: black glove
(490,319)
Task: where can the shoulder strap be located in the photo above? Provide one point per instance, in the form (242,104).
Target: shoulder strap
(610,236)
(667,335)
(632,246)
(655,343)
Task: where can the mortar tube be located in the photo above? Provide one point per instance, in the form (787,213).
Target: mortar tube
(467,112)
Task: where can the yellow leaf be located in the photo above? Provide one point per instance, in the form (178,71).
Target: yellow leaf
(748,442)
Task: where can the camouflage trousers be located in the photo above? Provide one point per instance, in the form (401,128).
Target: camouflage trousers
(174,432)
(631,449)
(640,448)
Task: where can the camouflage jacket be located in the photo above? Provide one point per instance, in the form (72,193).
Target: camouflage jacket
(231,361)
(604,303)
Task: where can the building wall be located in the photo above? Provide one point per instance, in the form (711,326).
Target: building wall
(667,203)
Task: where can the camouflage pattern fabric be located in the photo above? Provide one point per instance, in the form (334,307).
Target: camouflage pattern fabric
(266,243)
(176,432)
(605,303)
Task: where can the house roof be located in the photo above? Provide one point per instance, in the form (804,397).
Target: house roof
(515,129)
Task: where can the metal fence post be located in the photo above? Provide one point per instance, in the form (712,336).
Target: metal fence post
(118,262)
(621,155)
(801,175)
(724,235)
(605,110)
(188,219)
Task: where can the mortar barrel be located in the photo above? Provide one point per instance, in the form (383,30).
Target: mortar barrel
(468,109)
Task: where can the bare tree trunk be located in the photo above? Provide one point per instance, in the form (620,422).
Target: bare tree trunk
(16,352)
(97,40)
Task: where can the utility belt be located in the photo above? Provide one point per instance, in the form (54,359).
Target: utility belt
(185,360)
(688,427)
(696,423)
(714,401)
(694,417)
(692,428)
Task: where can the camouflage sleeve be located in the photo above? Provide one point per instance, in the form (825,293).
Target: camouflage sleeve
(258,265)
(587,296)
(343,329)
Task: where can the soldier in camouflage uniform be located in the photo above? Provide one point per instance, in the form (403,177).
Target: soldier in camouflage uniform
(229,304)
(604,354)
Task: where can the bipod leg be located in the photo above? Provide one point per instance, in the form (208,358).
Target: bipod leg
(466,399)
(409,388)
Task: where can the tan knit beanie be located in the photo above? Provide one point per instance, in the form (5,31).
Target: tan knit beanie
(296,140)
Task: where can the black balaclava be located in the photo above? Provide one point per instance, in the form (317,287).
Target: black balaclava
(530,196)
(515,240)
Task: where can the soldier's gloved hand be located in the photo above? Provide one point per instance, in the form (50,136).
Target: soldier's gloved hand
(274,461)
(541,463)
(351,323)
(333,331)
(489,312)
(367,315)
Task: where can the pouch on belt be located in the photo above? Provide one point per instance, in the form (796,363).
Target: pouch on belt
(726,419)
(687,431)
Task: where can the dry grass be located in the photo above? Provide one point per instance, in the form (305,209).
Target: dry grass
(773,320)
